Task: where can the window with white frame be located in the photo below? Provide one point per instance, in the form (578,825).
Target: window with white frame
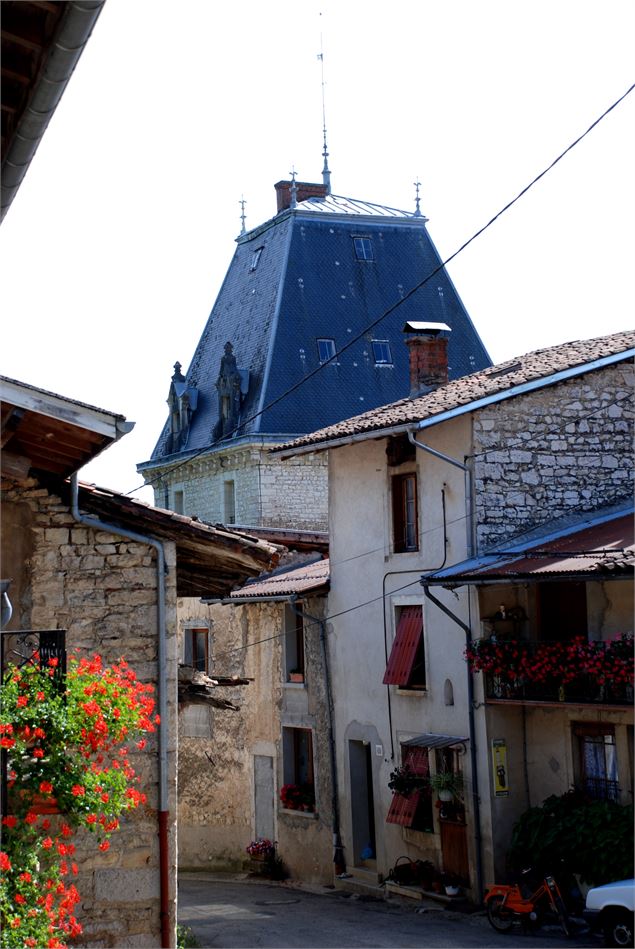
(326,349)
(596,755)
(381,352)
(363,248)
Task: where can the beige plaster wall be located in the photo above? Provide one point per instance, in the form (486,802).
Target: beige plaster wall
(102,590)
(363,567)
(216,774)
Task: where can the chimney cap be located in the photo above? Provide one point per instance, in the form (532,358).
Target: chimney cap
(427,329)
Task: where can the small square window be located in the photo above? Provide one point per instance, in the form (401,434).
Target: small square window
(256,258)
(381,352)
(363,248)
(326,349)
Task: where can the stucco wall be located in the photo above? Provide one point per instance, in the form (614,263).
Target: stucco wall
(564,449)
(102,590)
(217,804)
(268,492)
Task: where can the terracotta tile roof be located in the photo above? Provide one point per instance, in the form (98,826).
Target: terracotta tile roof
(462,392)
(309,578)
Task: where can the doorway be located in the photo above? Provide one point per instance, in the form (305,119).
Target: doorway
(362,803)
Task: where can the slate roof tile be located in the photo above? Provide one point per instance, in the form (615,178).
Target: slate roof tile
(308,284)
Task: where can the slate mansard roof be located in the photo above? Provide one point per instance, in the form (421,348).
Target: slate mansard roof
(536,369)
(307,284)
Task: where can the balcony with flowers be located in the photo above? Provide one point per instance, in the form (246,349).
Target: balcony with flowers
(577,670)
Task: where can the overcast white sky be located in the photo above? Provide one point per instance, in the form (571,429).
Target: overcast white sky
(116,245)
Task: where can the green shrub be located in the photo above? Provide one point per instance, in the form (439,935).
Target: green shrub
(573,834)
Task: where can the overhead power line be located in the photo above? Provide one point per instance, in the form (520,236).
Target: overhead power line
(398,303)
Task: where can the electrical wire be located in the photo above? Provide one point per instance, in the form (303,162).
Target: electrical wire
(395,305)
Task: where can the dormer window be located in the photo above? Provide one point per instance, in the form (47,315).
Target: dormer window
(326,349)
(381,352)
(363,248)
(256,258)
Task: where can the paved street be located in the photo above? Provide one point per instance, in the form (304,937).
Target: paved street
(233,912)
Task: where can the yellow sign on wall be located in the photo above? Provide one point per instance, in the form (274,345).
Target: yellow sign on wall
(499,766)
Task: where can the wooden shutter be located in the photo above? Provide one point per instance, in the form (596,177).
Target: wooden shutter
(404,648)
(403,809)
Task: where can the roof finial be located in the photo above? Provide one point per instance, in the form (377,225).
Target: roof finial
(294,188)
(242,204)
(417,213)
(326,174)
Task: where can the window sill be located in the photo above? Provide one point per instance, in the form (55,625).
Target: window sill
(294,685)
(417,692)
(293,812)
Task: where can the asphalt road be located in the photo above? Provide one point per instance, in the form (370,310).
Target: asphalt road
(228,913)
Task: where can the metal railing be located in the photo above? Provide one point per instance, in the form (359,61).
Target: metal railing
(564,684)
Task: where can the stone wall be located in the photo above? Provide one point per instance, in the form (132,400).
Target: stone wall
(217,802)
(268,492)
(561,450)
(102,590)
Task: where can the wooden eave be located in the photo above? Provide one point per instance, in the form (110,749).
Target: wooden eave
(44,432)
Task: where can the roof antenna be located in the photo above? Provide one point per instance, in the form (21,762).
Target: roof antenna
(326,174)
(417,213)
(294,188)
(242,204)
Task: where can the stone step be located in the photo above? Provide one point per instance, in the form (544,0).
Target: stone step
(361,880)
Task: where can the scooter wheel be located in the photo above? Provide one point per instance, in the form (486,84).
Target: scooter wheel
(498,915)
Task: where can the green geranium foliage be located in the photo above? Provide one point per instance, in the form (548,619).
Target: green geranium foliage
(573,834)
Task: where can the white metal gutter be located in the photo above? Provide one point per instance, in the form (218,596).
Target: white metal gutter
(74,31)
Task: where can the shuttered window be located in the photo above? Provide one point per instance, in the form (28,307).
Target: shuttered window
(404,513)
(406,665)
(413,811)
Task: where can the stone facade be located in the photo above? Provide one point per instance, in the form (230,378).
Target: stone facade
(102,590)
(561,450)
(246,485)
(221,808)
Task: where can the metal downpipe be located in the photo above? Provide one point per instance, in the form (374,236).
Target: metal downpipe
(163,813)
(478,840)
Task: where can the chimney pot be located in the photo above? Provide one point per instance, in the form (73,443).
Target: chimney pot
(304,190)
(428,357)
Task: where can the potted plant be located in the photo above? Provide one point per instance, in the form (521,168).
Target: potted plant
(404,781)
(296,675)
(447,784)
(451,884)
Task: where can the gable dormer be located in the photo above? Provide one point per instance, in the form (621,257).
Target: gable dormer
(182,402)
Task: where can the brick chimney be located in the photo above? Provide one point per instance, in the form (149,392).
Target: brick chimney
(428,356)
(305,189)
